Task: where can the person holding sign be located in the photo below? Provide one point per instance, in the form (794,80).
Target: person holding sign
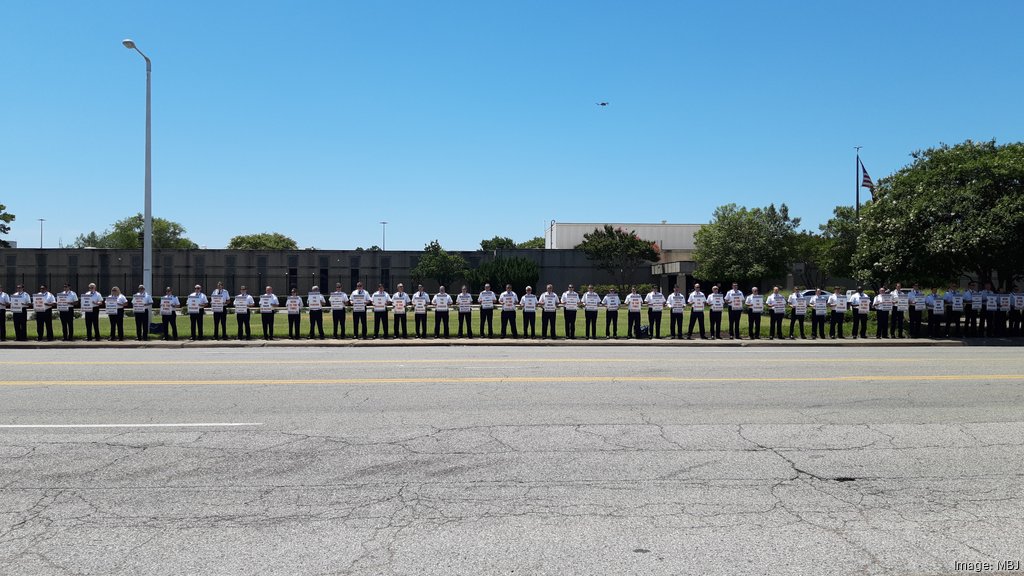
(972,306)
(400,304)
(219,306)
(633,302)
(360,299)
(464,300)
(1005,301)
(92,300)
(755,308)
(676,303)
(954,304)
(268,302)
(169,306)
(242,303)
(717,303)
(776,303)
(611,305)
(549,307)
(1017,313)
(655,301)
(43,303)
(734,298)
(508,300)
(797,312)
(819,305)
(338,301)
(883,305)
(20,303)
(5,304)
(66,310)
(442,301)
(696,300)
(591,301)
(115,304)
(529,305)
(837,302)
(380,300)
(486,300)
(293,306)
(917,308)
(936,311)
(316,304)
(899,312)
(142,302)
(420,300)
(861,304)
(570,301)
(197,303)
(987,310)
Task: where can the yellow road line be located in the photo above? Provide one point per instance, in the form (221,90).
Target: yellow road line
(445,361)
(506,380)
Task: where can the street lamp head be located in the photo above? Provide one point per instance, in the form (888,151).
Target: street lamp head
(128,43)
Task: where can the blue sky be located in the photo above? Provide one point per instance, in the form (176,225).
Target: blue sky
(463,120)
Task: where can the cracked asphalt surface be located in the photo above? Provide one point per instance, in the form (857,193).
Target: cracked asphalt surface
(502,460)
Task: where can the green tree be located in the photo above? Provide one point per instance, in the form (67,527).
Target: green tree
(437,264)
(519,272)
(809,251)
(618,252)
(746,245)
(536,243)
(954,210)
(5,219)
(263,241)
(839,243)
(497,243)
(127,234)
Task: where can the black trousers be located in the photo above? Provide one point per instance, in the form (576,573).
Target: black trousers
(92,324)
(734,322)
(753,324)
(590,324)
(242,320)
(982,322)
(401,327)
(3,324)
(971,320)
(380,319)
(1015,323)
(21,325)
(142,325)
(999,324)
(44,322)
(654,321)
(508,319)
(915,323)
(117,325)
(220,325)
(860,325)
(316,323)
(793,319)
(170,325)
(196,325)
(716,323)
(487,317)
(440,318)
(67,324)
(420,325)
(267,319)
(935,324)
(466,317)
(696,318)
(611,319)
(294,326)
(775,324)
(547,319)
(881,324)
(675,324)
(530,324)
(632,324)
(953,322)
(569,318)
(358,319)
(896,324)
(817,325)
(338,320)
(836,320)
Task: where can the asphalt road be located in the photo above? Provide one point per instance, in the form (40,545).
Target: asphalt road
(511,460)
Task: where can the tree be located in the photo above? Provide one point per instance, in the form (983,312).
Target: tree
(536,243)
(618,252)
(263,241)
(437,264)
(746,245)
(954,210)
(127,234)
(809,251)
(5,219)
(839,236)
(519,272)
(497,243)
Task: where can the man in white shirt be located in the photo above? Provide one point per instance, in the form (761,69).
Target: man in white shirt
(633,302)
(755,309)
(142,303)
(360,299)
(5,304)
(590,301)
(400,306)
(293,309)
(380,300)
(1017,312)
(776,303)
(66,310)
(676,303)
(916,305)
(549,308)
(44,303)
(900,305)
(115,304)
(611,305)
(91,303)
(420,300)
(508,300)
(734,299)
(268,304)
(883,305)
(837,302)
(243,301)
(819,311)
(936,313)
(486,298)
(339,298)
(860,305)
(529,306)
(441,301)
(797,311)
(197,303)
(655,301)
(219,306)
(464,301)
(697,301)
(21,301)
(570,301)
(169,306)
(716,304)
(316,302)
(954,304)
(986,317)
(972,309)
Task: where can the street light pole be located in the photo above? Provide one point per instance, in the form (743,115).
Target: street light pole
(41,220)
(147,222)
(383,235)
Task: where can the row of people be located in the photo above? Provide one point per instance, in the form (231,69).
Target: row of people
(984,311)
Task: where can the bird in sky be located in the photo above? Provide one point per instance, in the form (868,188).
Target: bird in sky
(601,103)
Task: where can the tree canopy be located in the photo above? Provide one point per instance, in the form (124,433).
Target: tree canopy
(263,241)
(519,272)
(497,243)
(618,252)
(746,245)
(536,243)
(127,234)
(439,265)
(5,219)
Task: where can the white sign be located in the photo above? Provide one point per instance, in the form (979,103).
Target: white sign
(757,304)
(217,303)
(380,302)
(294,304)
(864,306)
(939,307)
(193,306)
(958,303)
(241,305)
(313,300)
(820,306)
(800,306)
(337,302)
(87,303)
(111,304)
(39,303)
(717,302)
(62,303)
(1004,302)
(779,305)
(420,305)
(698,303)
(1018,302)
(841,304)
(166,307)
(400,306)
(920,304)
(976,302)
(266,304)
(737,303)
(138,304)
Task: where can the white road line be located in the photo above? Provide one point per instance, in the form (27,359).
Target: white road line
(167,425)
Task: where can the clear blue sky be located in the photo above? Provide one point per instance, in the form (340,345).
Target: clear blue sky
(463,120)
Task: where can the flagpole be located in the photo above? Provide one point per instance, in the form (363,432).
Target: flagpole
(856,177)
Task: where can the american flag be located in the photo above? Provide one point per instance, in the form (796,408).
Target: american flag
(865,181)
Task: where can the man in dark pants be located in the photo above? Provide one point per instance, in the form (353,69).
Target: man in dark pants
(43,302)
(655,301)
(860,304)
(902,303)
(268,303)
(634,302)
(338,301)
(755,308)
(142,303)
(169,306)
(316,302)
(360,299)
(219,305)
(508,300)
(570,304)
(442,301)
(936,312)
(293,308)
(696,300)
(883,305)
(611,305)
(1017,313)
(400,306)
(972,305)
(380,300)
(819,309)
(66,311)
(590,301)
(676,303)
(486,300)
(91,303)
(716,303)
(20,303)
(464,300)
(837,302)
(420,300)
(548,309)
(917,305)
(797,312)
(243,302)
(197,303)
(776,303)
(734,299)
(529,306)
(5,304)
(987,313)
(954,308)
(115,304)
